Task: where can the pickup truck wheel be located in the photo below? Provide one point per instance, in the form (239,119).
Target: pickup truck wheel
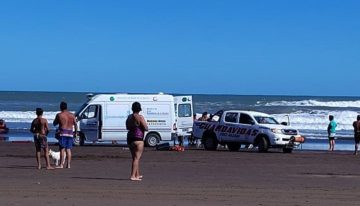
(234,146)
(287,150)
(263,144)
(151,140)
(210,143)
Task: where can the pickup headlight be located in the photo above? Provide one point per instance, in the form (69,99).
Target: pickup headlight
(277,131)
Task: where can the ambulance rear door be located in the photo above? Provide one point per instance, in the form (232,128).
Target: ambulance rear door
(183,114)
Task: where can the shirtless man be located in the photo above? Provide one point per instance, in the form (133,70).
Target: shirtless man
(356,125)
(66,121)
(40,129)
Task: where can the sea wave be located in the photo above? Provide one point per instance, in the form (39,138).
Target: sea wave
(319,119)
(316,120)
(313,103)
(24,116)
(309,120)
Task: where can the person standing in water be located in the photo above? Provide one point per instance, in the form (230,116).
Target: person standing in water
(3,128)
(356,126)
(331,132)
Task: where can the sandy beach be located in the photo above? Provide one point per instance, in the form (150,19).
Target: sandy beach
(99,176)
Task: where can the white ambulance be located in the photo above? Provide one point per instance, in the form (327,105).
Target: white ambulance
(103,116)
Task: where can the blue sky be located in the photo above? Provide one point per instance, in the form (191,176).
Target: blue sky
(277,47)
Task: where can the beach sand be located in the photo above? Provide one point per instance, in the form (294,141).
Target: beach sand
(100,176)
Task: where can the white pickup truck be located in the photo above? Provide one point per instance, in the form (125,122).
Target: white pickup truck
(234,128)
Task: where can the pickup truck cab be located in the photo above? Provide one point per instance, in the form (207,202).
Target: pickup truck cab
(234,128)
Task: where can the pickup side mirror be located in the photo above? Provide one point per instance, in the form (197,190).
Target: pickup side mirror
(284,123)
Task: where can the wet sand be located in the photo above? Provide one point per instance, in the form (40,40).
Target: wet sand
(99,176)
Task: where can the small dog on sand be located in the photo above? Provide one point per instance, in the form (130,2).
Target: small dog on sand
(56,157)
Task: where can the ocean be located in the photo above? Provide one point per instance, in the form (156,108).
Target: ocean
(309,114)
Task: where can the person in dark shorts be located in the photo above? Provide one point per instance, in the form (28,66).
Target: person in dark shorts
(3,128)
(191,138)
(136,126)
(356,126)
(67,122)
(40,129)
(331,132)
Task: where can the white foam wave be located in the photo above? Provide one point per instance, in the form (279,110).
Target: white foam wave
(24,117)
(316,120)
(313,120)
(315,103)
(319,119)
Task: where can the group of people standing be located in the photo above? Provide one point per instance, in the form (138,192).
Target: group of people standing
(191,139)
(332,131)
(67,129)
(136,126)
(66,123)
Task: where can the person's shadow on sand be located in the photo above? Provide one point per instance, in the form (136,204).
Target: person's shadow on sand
(99,178)
(23,167)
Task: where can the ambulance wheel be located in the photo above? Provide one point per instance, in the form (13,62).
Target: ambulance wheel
(234,146)
(76,141)
(210,142)
(287,150)
(79,140)
(82,140)
(151,140)
(262,144)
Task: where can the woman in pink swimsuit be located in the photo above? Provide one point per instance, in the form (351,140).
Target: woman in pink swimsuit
(136,126)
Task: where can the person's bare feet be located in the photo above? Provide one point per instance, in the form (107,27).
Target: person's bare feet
(49,168)
(39,167)
(135,179)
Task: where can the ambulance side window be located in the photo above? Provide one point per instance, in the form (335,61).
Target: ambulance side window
(90,112)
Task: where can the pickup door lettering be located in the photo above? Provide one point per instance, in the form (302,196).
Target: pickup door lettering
(225,130)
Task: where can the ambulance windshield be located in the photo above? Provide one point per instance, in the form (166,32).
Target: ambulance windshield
(80,109)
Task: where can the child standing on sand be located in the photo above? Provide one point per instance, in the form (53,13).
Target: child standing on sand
(40,129)
(331,132)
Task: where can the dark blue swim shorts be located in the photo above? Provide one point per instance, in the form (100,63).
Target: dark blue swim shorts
(66,142)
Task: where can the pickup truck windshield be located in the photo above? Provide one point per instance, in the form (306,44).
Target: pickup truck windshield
(266,120)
